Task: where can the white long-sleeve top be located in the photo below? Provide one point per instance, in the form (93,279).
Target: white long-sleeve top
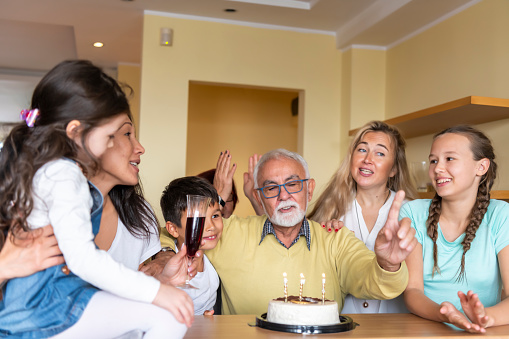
(62,198)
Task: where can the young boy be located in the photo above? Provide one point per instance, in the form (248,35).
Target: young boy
(174,208)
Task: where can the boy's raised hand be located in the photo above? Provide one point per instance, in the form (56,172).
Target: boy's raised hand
(396,239)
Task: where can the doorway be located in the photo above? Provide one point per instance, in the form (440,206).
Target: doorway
(244,120)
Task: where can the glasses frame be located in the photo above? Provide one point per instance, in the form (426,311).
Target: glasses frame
(279,187)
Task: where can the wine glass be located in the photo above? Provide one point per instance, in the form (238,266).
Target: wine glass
(197,206)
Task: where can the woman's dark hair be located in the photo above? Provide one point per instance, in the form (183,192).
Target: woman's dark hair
(133,210)
(209,175)
(481,147)
(72,90)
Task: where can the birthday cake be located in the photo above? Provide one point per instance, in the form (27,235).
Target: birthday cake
(308,311)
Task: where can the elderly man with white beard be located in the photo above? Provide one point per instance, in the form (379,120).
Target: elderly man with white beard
(254,253)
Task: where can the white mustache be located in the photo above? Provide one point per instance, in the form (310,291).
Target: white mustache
(287,203)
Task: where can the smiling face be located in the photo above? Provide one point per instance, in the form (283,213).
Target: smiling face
(211,231)
(372,162)
(119,163)
(285,210)
(453,170)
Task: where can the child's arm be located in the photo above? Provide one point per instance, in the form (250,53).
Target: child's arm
(177,302)
(63,190)
(491,316)
(419,304)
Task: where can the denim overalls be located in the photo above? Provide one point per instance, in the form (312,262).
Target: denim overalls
(48,302)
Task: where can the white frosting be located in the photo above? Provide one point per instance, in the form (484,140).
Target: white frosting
(290,313)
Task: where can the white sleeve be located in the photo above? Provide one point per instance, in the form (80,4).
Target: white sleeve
(65,193)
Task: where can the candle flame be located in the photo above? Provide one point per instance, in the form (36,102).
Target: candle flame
(323,275)
(302,276)
(284,274)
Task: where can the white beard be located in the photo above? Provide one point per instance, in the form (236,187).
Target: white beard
(287,219)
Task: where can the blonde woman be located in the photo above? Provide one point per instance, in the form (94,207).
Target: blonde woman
(361,193)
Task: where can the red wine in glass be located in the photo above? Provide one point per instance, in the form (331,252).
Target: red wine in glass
(194,233)
(197,207)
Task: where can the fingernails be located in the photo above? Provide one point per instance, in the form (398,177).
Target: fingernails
(323,226)
(221,153)
(330,229)
(336,230)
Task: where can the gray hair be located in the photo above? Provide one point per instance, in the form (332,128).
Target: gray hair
(278,154)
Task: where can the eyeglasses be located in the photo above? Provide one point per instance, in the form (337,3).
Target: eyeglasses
(292,187)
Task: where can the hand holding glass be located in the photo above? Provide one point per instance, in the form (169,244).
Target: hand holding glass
(196,212)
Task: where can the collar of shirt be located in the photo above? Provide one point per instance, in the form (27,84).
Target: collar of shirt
(304,230)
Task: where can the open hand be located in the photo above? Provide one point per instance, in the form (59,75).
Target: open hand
(29,252)
(396,239)
(223,179)
(458,319)
(249,184)
(474,309)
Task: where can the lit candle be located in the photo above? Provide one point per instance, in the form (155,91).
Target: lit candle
(285,281)
(323,288)
(302,281)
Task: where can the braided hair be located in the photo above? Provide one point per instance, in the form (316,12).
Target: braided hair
(481,147)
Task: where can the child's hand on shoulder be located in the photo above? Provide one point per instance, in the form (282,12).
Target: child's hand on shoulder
(177,302)
(211,312)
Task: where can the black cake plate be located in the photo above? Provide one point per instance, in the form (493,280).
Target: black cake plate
(345,324)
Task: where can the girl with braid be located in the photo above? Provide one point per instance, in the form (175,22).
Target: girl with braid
(461,264)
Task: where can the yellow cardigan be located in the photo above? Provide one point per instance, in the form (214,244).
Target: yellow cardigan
(252,273)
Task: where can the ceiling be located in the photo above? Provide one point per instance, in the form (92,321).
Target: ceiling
(37,34)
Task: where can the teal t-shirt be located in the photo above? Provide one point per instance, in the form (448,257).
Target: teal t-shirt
(481,261)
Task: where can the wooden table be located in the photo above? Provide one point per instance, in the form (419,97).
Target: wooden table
(370,326)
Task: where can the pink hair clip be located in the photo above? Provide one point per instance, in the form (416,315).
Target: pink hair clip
(30,116)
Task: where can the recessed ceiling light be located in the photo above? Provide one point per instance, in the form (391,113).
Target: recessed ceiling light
(98,44)
(230,10)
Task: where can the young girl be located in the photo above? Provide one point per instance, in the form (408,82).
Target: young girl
(461,264)
(76,109)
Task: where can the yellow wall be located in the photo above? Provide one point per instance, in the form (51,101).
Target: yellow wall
(131,75)
(231,54)
(242,120)
(465,55)
(367,86)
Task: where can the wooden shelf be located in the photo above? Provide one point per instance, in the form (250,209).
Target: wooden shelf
(471,110)
(500,195)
